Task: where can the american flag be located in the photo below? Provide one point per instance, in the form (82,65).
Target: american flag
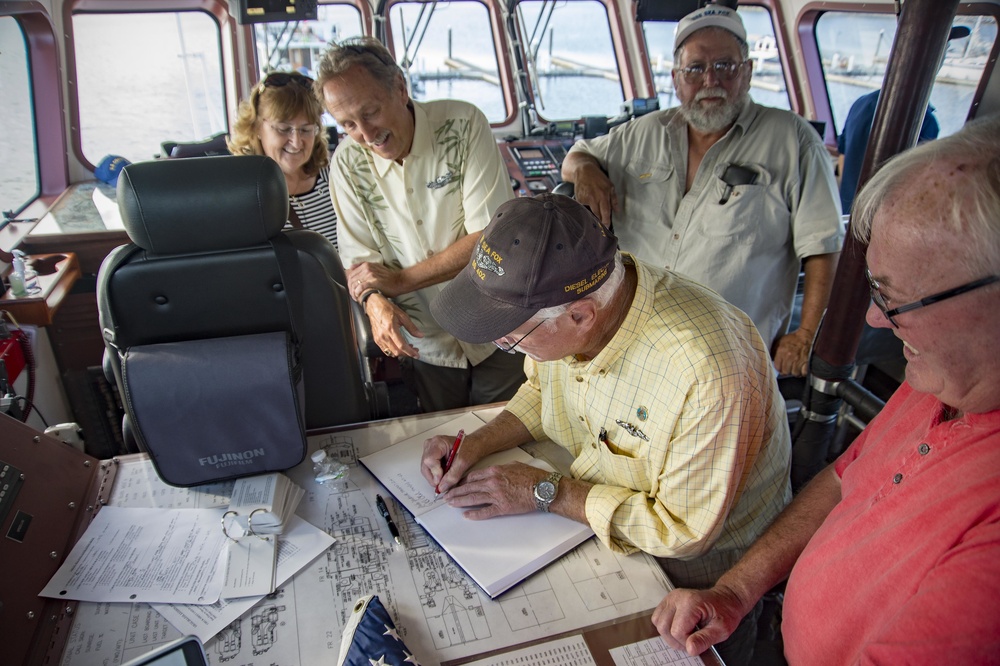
(370,637)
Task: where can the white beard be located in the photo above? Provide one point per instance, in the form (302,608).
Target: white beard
(715,119)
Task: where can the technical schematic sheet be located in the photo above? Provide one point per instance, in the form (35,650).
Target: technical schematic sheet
(439,612)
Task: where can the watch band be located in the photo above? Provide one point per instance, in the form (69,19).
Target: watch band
(545,491)
(368,294)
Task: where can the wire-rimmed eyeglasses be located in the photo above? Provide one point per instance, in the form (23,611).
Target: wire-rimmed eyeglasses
(724,70)
(286,131)
(882,303)
(512,349)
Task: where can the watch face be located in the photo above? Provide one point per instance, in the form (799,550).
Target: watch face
(545,490)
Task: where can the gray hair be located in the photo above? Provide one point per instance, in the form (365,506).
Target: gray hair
(365,52)
(744,47)
(601,296)
(974,206)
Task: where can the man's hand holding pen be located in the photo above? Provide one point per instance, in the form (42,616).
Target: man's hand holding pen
(497,490)
(451,457)
(445,461)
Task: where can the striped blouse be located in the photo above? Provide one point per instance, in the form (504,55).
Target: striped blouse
(315,208)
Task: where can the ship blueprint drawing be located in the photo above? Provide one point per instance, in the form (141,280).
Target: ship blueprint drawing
(439,612)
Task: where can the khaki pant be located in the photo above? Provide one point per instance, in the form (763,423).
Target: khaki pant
(494,380)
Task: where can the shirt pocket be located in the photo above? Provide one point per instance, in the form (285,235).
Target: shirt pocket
(623,470)
(742,218)
(646,185)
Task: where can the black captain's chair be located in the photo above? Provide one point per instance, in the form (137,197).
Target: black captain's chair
(204,263)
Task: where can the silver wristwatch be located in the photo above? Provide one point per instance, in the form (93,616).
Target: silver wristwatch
(545,491)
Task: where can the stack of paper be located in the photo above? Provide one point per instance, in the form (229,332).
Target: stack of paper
(264,503)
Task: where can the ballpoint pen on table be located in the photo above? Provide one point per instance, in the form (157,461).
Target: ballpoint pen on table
(451,458)
(384,510)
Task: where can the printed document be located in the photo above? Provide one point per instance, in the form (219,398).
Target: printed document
(168,555)
(299,546)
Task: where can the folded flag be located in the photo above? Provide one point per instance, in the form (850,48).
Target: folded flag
(370,637)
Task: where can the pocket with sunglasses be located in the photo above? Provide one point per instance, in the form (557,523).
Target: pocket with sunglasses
(736,175)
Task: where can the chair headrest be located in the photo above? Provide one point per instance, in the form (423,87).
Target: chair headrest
(202,204)
(213,145)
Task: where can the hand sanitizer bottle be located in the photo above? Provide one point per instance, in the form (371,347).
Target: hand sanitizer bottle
(29,275)
(17,289)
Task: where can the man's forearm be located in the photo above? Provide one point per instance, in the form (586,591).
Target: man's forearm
(820,270)
(772,556)
(574,163)
(440,267)
(504,432)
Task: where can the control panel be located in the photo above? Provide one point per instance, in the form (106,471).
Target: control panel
(535,161)
(534,166)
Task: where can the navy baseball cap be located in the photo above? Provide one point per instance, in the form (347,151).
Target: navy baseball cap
(109,168)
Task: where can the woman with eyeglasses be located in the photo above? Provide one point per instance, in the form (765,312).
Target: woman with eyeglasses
(281,119)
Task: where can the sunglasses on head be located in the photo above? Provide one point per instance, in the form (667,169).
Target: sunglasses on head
(282,79)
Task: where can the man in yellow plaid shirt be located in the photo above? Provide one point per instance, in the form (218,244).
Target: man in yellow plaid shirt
(663,393)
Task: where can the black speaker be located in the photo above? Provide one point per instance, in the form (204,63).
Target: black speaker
(594,126)
(271,11)
(665,10)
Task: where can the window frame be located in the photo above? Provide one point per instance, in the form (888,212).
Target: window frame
(499,33)
(815,76)
(364,12)
(47,101)
(619,37)
(216,9)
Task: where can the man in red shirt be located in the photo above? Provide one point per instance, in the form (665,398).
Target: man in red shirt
(894,549)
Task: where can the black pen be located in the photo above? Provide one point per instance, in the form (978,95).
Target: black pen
(384,510)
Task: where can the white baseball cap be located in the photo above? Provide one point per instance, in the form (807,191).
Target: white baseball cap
(710,16)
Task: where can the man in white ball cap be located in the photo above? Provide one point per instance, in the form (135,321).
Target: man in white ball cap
(735,195)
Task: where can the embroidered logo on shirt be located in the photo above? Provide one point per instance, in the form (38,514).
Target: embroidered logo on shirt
(632,430)
(441,181)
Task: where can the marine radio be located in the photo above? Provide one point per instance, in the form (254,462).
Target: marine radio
(535,161)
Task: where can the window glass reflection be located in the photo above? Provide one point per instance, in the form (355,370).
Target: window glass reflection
(19,167)
(446,51)
(143,79)
(571,59)
(854,48)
